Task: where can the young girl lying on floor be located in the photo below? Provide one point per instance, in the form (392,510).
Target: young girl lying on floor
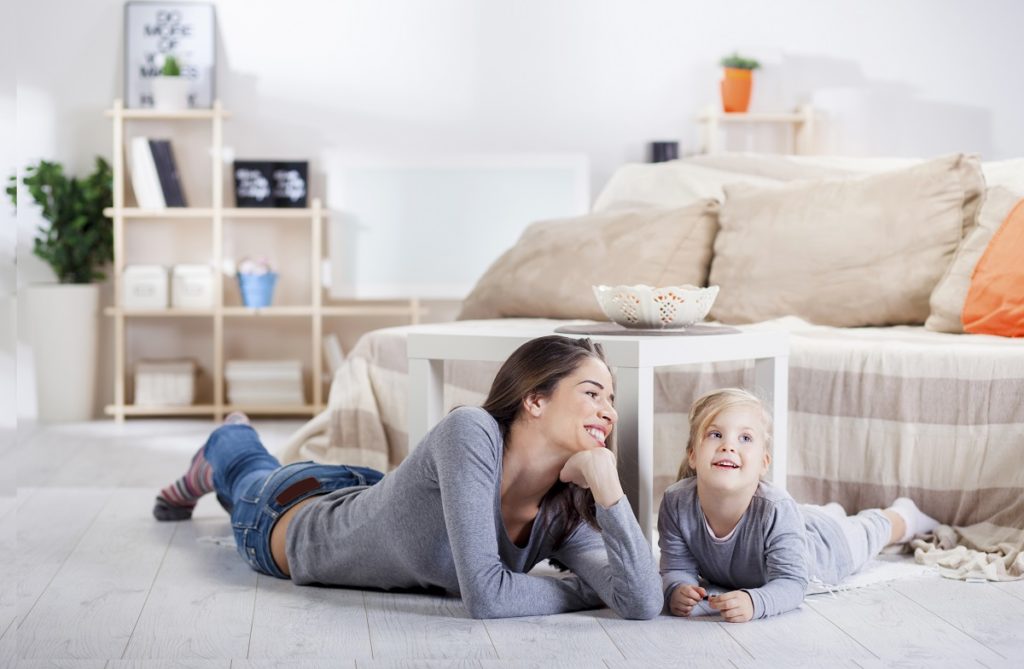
(722,523)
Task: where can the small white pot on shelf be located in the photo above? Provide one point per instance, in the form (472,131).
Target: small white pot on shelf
(170,93)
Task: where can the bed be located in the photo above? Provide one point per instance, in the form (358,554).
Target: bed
(878,409)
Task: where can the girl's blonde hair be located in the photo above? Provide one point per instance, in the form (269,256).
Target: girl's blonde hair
(707,407)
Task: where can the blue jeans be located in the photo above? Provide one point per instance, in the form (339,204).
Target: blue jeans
(254,487)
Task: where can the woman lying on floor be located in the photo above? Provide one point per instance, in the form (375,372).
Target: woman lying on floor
(489,492)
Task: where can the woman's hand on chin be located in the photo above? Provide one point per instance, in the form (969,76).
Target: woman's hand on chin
(594,469)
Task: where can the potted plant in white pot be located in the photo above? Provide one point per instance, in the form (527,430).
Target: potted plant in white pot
(63,317)
(170,87)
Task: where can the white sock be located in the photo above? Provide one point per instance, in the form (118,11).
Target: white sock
(916,520)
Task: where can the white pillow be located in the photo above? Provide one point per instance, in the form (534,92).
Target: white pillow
(1006,173)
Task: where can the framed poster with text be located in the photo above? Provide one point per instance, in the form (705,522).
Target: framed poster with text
(154,30)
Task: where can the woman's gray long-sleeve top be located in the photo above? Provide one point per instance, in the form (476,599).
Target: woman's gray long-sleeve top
(435,522)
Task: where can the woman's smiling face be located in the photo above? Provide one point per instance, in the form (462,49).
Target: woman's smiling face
(732,453)
(579,414)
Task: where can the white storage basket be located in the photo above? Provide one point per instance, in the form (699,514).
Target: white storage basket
(144,287)
(165,382)
(192,287)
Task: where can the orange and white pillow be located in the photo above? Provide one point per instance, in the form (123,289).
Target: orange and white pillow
(995,301)
(983,289)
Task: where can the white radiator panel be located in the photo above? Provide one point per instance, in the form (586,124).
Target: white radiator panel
(429,228)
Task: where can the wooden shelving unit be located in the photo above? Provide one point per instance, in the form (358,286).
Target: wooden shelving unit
(713,120)
(216,214)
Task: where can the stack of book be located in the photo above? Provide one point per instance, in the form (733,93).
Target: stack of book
(154,173)
(264,382)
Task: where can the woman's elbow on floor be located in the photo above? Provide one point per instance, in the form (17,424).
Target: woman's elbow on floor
(647,609)
(483,610)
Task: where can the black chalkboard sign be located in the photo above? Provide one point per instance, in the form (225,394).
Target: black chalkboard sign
(254,183)
(290,183)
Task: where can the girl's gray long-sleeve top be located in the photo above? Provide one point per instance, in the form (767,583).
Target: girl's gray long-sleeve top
(435,522)
(776,548)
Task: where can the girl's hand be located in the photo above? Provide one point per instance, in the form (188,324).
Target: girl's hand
(735,606)
(684,598)
(594,469)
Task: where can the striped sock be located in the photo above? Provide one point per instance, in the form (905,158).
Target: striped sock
(177,501)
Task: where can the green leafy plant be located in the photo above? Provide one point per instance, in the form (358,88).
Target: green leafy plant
(171,67)
(79,239)
(734,60)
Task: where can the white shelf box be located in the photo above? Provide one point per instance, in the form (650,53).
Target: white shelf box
(145,287)
(192,287)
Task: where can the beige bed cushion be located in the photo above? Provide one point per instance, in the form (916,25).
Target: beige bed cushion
(790,167)
(550,270)
(947,300)
(675,183)
(844,252)
(1008,172)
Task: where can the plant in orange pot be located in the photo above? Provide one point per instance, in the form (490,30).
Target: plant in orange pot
(738,80)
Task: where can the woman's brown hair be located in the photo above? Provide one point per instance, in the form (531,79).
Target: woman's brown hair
(536,368)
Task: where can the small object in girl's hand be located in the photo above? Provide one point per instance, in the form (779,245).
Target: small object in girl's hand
(703,609)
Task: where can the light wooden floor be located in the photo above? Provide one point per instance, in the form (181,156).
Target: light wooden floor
(91,580)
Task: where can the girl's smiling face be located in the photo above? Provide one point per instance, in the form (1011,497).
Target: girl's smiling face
(732,453)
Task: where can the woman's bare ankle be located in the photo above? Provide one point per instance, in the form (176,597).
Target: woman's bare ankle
(899,526)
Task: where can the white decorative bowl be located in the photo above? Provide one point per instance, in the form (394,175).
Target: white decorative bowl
(650,308)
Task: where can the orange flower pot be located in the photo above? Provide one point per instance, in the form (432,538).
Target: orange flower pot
(736,89)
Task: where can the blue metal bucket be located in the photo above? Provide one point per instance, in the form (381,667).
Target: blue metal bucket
(257,289)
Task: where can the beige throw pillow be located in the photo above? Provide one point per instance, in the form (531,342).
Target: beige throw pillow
(947,300)
(550,270)
(844,252)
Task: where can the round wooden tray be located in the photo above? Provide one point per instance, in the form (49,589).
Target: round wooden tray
(605,329)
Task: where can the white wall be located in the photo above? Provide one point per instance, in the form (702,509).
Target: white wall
(8,231)
(309,78)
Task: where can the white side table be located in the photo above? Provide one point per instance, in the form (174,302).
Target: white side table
(633,359)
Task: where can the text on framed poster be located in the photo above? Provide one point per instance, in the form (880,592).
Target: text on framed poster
(155,30)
